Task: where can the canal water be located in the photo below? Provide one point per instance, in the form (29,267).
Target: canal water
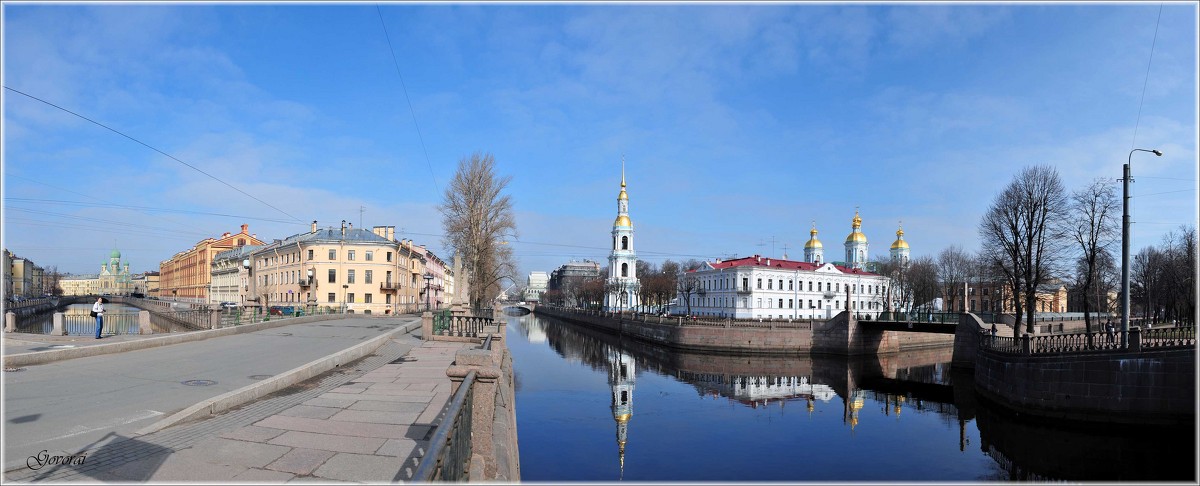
(595,407)
(43,323)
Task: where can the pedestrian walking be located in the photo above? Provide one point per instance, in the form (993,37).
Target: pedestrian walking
(98,313)
(1109,326)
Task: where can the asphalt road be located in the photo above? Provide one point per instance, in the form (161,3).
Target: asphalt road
(68,406)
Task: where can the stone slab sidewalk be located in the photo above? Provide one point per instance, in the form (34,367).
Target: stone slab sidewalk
(371,427)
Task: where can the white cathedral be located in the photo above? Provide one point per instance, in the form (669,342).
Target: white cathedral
(622,280)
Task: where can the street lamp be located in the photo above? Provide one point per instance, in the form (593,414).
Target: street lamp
(344,291)
(428,278)
(1125,246)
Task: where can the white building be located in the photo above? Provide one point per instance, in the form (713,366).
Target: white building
(536,285)
(622,260)
(758,288)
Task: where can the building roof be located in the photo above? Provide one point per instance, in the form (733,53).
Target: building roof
(759,261)
(330,235)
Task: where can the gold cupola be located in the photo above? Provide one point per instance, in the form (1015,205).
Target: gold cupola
(856,235)
(623,202)
(900,243)
(813,242)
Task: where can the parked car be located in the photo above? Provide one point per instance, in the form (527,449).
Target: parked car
(230,305)
(285,310)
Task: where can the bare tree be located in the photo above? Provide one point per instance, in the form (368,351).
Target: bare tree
(923,281)
(52,281)
(1020,238)
(478,220)
(1094,228)
(953,265)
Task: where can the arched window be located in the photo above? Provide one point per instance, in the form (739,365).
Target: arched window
(624,269)
(624,242)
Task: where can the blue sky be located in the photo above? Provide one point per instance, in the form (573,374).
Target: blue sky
(738,123)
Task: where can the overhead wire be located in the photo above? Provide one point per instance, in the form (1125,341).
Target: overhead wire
(403,86)
(144,144)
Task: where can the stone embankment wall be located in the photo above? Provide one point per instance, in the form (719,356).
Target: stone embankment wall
(1157,386)
(836,336)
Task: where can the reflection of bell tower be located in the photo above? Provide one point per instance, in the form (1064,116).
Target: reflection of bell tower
(621,378)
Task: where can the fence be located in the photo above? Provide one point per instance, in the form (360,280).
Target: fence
(239,316)
(1161,338)
(114,324)
(447,324)
(449,456)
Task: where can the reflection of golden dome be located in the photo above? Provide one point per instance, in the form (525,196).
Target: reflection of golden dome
(622,418)
(900,243)
(622,220)
(857,404)
(813,242)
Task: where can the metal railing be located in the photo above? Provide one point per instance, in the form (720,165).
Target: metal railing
(928,317)
(1169,337)
(1162,338)
(113,324)
(449,456)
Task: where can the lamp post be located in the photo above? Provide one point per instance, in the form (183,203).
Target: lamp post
(344,291)
(428,278)
(1125,246)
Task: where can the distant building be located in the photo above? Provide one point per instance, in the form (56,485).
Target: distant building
(188,274)
(22,277)
(114,278)
(998,297)
(230,281)
(536,285)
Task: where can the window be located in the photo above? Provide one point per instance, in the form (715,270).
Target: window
(758,303)
(333,254)
(745,283)
(350,255)
(624,269)
(389,256)
(369,256)
(350,297)
(818,304)
(789,303)
(387,298)
(624,242)
(367,298)
(810,306)
(780,303)
(332,297)
(781,284)
(760,284)
(819,286)
(310,254)
(789,285)
(367,276)
(349,276)
(769,284)
(332,276)
(985,291)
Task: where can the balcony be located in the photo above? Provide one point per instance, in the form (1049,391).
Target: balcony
(306,283)
(743,290)
(389,286)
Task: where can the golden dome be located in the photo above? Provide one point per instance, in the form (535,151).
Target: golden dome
(900,243)
(622,418)
(813,242)
(856,236)
(623,220)
(622,196)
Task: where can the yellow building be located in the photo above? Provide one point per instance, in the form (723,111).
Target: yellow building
(187,275)
(360,271)
(998,297)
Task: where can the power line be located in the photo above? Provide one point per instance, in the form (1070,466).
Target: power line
(141,208)
(172,157)
(1141,103)
(396,63)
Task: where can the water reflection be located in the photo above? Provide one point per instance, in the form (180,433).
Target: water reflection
(914,417)
(43,323)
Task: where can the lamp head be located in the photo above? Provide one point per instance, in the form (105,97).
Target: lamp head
(1156,152)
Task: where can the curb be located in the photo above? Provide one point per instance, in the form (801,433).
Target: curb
(283,380)
(43,357)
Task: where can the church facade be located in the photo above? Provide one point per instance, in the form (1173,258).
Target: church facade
(114,279)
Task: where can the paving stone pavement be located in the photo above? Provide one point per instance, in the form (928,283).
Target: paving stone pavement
(368,421)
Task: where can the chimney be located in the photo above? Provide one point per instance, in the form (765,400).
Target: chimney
(314,226)
(768,262)
(245,227)
(391,233)
(343,227)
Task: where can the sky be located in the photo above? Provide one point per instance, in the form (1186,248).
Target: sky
(740,126)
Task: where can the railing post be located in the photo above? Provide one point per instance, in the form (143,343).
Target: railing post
(10,321)
(1135,339)
(58,325)
(427,329)
(1025,344)
(483,406)
(214,319)
(144,326)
